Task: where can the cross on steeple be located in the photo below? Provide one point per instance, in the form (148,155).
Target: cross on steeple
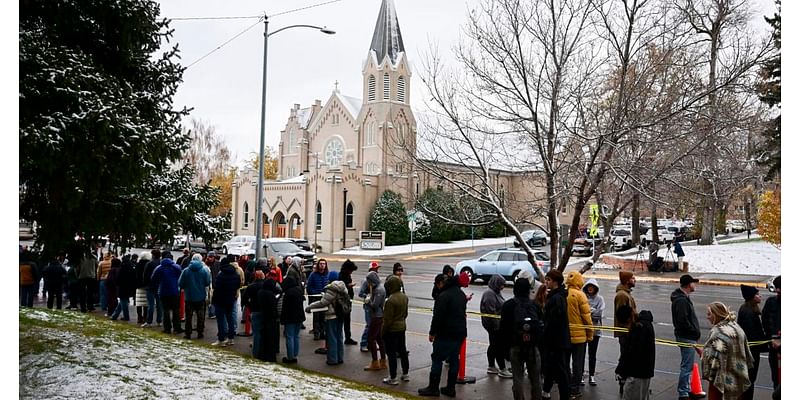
(336,86)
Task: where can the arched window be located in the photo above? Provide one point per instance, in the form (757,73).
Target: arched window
(245,215)
(386,86)
(290,148)
(401,89)
(348,215)
(371,88)
(318,221)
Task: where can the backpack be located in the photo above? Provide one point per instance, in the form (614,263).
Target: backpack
(528,325)
(342,306)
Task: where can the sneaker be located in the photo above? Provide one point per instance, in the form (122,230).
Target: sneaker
(391,381)
(350,341)
(230,342)
(491,370)
(504,373)
(405,378)
(583,381)
(364,349)
(545,395)
(592,380)
(220,343)
(321,350)
(145,325)
(212,317)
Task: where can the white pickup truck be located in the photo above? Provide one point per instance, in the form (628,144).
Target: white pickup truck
(623,239)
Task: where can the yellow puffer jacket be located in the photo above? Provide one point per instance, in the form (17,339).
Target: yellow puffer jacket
(578,310)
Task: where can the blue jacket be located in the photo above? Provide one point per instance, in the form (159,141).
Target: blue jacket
(226,287)
(316,282)
(194,281)
(165,278)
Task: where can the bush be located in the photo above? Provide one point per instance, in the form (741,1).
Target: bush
(389,215)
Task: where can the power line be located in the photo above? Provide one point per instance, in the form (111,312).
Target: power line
(226,42)
(212,18)
(304,8)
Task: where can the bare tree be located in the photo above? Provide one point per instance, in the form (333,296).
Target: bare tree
(207,152)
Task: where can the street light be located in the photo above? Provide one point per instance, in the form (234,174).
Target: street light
(344,223)
(259,206)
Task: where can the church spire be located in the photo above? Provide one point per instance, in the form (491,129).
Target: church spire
(386,40)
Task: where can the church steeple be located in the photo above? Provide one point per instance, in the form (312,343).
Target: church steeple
(386,40)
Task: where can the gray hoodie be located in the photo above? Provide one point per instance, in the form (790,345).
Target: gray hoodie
(596,304)
(377,296)
(492,302)
(296,271)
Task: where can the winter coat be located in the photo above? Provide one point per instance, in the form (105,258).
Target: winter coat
(316,282)
(508,317)
(726,359)
(284,266)
(750,322)
(376,297)
(492,302)
(292,310)
(346,276)
(72,275)
(125,280)
(596,304)
(296,272)
(148,273)
(104,268)
(141,266)
(165,278)
(28,273)
(54,275)
(450,313)
(226,287)
(678,249)
(684,320)
(638,354)
(556,323)
(250,296)
(213,267)
(87,268)
(623,297)
(329,295)
(395,311)
(268,300)
(578,310)
(194,281)
(771,316)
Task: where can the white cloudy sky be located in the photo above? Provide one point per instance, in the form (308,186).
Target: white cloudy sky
(225,88)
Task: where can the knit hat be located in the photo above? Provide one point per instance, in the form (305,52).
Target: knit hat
(777,282)
(748,292)
(625,276)
(555,276)
(373,266)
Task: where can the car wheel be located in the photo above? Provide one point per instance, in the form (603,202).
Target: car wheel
(469,272)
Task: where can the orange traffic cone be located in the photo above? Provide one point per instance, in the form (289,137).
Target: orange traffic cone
(696,385)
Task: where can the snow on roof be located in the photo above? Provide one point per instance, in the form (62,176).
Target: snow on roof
(386,40)
(352,104)
(304,116)
(295,179)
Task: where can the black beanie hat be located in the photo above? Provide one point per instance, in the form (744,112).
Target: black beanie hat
(777,282)
(748,292)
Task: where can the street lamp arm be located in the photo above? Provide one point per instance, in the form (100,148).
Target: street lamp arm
(319,28)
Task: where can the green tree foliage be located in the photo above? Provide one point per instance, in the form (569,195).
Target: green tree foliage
(389,215)
(440,206)
(770,93)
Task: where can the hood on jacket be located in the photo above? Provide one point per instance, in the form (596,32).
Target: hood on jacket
(349,265)
(196,265)
(574,280)
(677,294)
(592,282)
(645,315)
(527,275)
(166,262)
(288,283)
(373,278)
(228,269)
(338,287)
(497,282)
(392,284)
(297,262)
(522,288)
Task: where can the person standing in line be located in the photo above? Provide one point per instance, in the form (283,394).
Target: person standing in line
(581,329)
(250,302)
(521,325)
(749,319)
(284,265)
(268,298)
(596,305)
(725,358)
(447,332)
(125,282)
(375,301)
(398,270)
(623,297)
(491,304)
(393,331)
(103,269)
(638,358)
(87,280)
(195,281)
(346,276)
(315,286)
(72,282)
(447,273)
(687,330)
(680,254)
(556,343)
(213,266)
(54,276)
(153,301)
(226,290)
(771,320)
(292,316)
(28,279)
(333,292)
(363,292)
(165,277)
(141,288)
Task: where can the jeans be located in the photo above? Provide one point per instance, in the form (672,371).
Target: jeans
(122,307)
(374,340)
(525,357)
(292,334)
(103,299)
(153,305)
(54,295)
(687,362)
(257,322)
(195,308)
(226,321)
(752,373)
(171,319)
(365,335)
(335,340)
(494,353)
(211,311)
(636,389)
(578,353)
(593,354)
(446,349)
(26,294)
(396,347)
(86,288)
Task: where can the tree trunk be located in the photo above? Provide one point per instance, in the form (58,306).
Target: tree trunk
(635,236)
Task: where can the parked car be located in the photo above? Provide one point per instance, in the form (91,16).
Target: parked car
(302,243)
(506,262)
(534,238)
(280,248)
(238,245)
(582,246)
(623,239)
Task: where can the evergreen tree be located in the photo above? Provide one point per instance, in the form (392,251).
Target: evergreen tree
(389,215)
(770,93)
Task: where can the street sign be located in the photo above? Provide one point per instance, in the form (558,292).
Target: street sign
(412,225)
(372,240)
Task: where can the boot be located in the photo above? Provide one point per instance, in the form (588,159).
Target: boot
(383,363)
(373,366)
(433,387)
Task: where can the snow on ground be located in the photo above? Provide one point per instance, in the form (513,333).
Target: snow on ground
(420,247)
(104,362)
(745,258)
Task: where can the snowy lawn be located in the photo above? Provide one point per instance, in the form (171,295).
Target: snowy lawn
(70,355)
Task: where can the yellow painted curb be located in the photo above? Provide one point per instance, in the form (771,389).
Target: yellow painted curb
(675,280)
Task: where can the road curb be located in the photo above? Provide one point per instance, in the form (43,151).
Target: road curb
(677,280)
(400,257)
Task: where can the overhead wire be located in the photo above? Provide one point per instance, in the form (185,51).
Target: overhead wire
(225,43)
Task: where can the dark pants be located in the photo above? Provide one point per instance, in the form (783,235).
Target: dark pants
(74,295)
(319,325)
(374,341)
(593,354)
(521,358)
(171,317)
(111,298)
(578,353)
(752,373)
(270,340)
(346,323)
(396,347)
(773,367)
(557,371)
(445,350)
(86,288)
(495,353)
(54,294)
(26,295)
(197,308)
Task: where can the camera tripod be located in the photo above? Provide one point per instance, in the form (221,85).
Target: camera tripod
(640,257)
(671,256)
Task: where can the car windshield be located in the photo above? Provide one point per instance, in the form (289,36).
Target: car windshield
(620,232)
(541,256)
(285,247)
